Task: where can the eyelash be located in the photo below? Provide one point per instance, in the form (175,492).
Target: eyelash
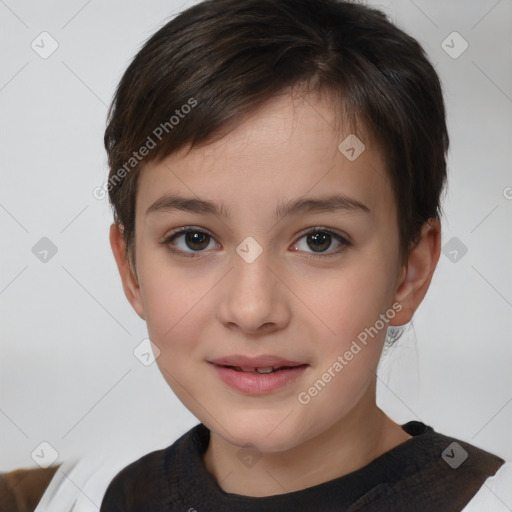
(188,229)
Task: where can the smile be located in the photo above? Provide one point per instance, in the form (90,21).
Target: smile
(258,380)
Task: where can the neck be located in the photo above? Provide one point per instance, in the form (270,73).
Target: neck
(361,436)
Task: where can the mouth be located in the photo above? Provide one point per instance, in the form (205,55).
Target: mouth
(265,361)
(258,375)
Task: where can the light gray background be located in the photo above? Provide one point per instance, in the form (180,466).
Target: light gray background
(68,375)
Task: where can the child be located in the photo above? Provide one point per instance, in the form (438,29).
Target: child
(276,169)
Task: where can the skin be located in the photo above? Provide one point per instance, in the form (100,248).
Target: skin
(286,302)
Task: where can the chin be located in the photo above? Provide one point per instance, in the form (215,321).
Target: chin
(267,432)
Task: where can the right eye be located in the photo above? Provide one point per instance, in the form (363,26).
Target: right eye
(190,241)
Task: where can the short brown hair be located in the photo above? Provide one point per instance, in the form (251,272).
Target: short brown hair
(224,59)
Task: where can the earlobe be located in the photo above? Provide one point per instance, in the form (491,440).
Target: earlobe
(416,276)
(129,280)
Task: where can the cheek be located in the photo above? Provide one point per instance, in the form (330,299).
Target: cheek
(172,317)
(172,295)
(349,302)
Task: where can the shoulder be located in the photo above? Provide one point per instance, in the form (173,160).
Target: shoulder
(495,495)
(145,484)
(458,470)
(432,471)
(455,458)
(132,486)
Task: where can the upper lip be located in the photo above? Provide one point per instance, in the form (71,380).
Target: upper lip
(263,361)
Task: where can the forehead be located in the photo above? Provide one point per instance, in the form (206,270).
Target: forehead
(289,148)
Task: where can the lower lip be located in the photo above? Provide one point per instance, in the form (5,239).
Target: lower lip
(258,383)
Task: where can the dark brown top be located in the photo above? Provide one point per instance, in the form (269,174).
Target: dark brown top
(429,472)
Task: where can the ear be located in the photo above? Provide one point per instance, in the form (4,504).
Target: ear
(415,276)
(130,282)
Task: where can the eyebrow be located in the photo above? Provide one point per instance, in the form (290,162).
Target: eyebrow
(332,203)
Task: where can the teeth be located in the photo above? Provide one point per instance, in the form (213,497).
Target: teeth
(265,370)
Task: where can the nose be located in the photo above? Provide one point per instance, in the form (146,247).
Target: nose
(253,298)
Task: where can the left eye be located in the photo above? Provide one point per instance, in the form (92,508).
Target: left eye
(321,239)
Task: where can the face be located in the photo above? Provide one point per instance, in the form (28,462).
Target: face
(258,284)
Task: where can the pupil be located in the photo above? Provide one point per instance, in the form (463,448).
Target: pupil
(195,238)
(319,241)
